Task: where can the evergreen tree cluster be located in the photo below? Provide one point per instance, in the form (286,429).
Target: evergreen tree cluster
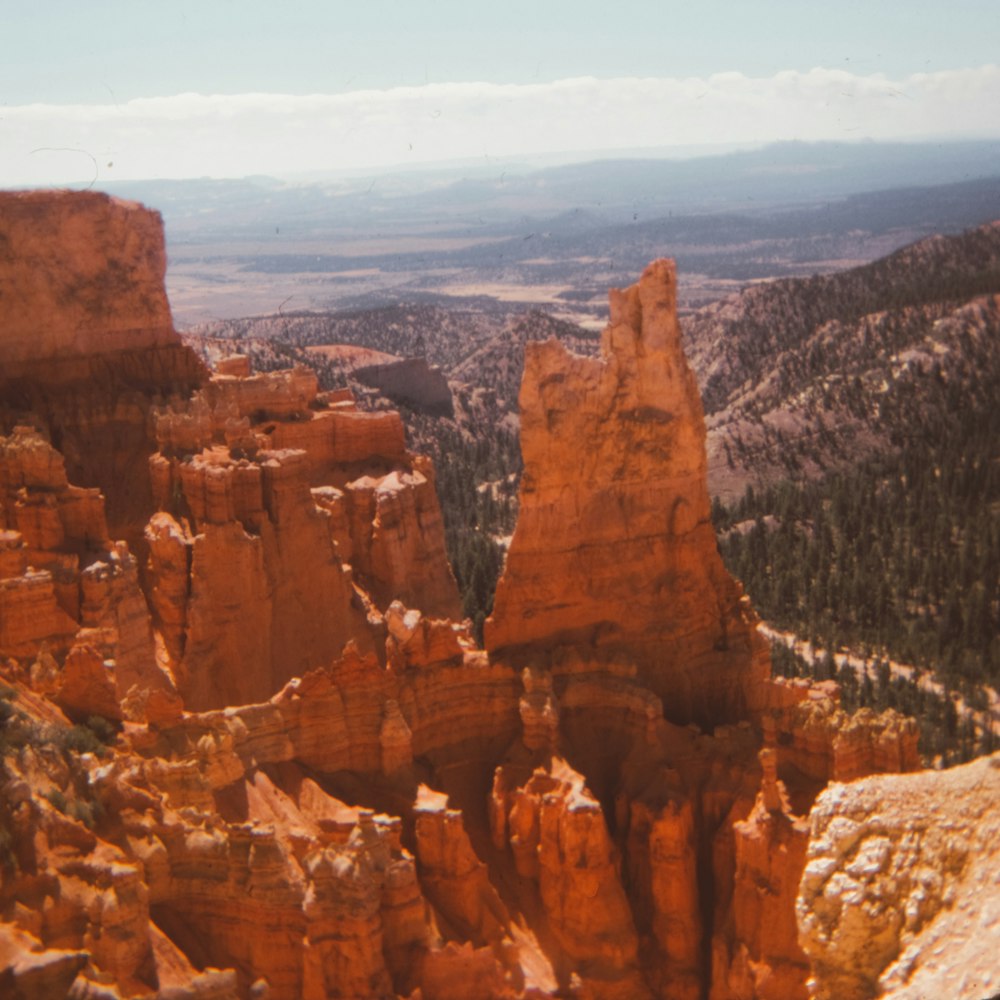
(477,483)
(899,553)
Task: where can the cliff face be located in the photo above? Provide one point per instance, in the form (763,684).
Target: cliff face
(88,342)
(72,615)
(312,783)
(82,275)
(614,548)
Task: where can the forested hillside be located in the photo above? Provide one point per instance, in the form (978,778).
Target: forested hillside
(873,520)
(744,341)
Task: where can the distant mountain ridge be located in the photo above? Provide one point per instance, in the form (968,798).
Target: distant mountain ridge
(611,190)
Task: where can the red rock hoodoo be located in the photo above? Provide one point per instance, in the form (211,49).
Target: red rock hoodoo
(309,782)
(614,548)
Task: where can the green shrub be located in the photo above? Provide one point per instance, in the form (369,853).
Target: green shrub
(104,729)
(76,739)
(88,813)
(56,797)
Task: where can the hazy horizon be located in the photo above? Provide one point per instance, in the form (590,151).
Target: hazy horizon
(118,91)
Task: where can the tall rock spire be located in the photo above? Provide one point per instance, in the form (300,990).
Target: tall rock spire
(614,549)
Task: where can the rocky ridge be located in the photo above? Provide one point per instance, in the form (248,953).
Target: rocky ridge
(318,785)
(805,375)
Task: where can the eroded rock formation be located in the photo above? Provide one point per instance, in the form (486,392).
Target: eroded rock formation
(88,343)
(72,615)
(614,547)
(313,784)
(287,526)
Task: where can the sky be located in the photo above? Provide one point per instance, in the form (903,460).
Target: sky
(227,88)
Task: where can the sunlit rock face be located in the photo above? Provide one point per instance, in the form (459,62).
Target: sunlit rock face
(286,528)
(900,896)
(614,548)
(81,274)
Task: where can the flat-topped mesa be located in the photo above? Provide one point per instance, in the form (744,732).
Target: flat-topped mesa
(96,267)
(87,337)
(614,547)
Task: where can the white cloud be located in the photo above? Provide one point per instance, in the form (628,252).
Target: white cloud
(191,135)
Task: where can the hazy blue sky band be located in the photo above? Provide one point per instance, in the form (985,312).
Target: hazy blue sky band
(115,89)
(194,135)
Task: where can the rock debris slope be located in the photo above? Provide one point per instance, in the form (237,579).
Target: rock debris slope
(249,752)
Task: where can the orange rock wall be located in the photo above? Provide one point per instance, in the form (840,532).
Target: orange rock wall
(81,274)
(256,579)
(71,609)
(263,565)
(88,338)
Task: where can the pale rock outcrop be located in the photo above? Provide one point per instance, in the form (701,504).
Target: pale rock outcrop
(807,743)
(614,547)
(900,896)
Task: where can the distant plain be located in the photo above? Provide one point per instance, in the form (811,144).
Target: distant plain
(512,236)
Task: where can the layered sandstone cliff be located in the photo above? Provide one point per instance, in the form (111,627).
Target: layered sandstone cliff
(283,523)
(88,343)
(287,527)
(315,785)
(73,618)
